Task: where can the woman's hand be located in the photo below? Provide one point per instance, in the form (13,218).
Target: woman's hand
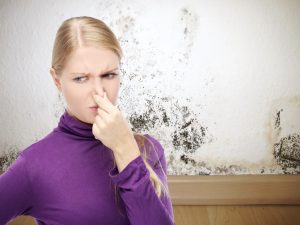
(112,129)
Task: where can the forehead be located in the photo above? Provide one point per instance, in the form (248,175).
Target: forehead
(89,59)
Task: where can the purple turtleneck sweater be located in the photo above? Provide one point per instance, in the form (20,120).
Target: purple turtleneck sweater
(67,178)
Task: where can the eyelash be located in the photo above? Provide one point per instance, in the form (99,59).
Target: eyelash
(77,79)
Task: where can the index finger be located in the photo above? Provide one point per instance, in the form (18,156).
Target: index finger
(104,103)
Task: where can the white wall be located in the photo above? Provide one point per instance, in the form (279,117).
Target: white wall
(222,78)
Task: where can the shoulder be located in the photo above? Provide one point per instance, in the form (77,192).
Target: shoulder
(39,149)
(43,143)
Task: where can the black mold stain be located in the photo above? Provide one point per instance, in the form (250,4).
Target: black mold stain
(187,160)
(204,169)
(188,134)
(120,19)
(185,12)
(165,118)
(130,76)
(185,30)
(290,147)
(189,19)
(228,170)
(147,120)
(9,157)
(191,140)
(277,119)
(2,161)
(125,23)
(287,152)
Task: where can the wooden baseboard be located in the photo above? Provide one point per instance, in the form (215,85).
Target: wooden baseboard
(235,190)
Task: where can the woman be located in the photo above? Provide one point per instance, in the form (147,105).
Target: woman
(91,169)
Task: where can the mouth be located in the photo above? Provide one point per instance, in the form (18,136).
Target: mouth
(94,108)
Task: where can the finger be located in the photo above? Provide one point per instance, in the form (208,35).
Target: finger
(112,107)
(99,122)
(104,103)
(95,130)
(106,99)
(103,114)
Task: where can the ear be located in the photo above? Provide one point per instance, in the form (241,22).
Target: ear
(55,78)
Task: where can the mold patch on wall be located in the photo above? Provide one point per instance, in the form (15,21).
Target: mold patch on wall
(189,21)
(188,166)
(187,133)
(287,151)
(290,147)
(286,134)
(10,155)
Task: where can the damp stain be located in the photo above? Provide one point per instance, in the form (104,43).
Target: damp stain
(188,166)
(284,138)
(10,155)
(145,121)
(186,131)
(189,21)
(287,151)
(189,133)
(125,23)
(121,18)
(129,75)
(187,160)
(183,164)
(277,119)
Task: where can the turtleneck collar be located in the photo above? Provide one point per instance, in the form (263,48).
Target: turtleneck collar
(73,126)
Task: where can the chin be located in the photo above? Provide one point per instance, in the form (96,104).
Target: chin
(88,120)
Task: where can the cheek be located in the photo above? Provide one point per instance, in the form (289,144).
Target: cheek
(72,94)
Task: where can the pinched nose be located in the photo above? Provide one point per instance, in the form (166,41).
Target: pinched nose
(100,93)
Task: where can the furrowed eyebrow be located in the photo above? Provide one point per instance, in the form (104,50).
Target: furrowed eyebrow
(100,74)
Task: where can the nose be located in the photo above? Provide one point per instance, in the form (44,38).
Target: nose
(98,88)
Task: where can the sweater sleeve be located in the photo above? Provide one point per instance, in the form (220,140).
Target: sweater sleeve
(138,194)
(15,191)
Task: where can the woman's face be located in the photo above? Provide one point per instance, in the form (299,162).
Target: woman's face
(88,71)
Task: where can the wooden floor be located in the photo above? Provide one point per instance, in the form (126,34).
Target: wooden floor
(237,215)
(222,215)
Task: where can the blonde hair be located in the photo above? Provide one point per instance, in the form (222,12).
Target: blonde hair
(88,31)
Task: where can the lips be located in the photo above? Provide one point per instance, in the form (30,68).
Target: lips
(94,109)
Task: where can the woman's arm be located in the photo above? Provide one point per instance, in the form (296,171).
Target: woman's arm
(15,191)
(138,194)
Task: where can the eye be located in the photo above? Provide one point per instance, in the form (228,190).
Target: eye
(110,76)
(79,79)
